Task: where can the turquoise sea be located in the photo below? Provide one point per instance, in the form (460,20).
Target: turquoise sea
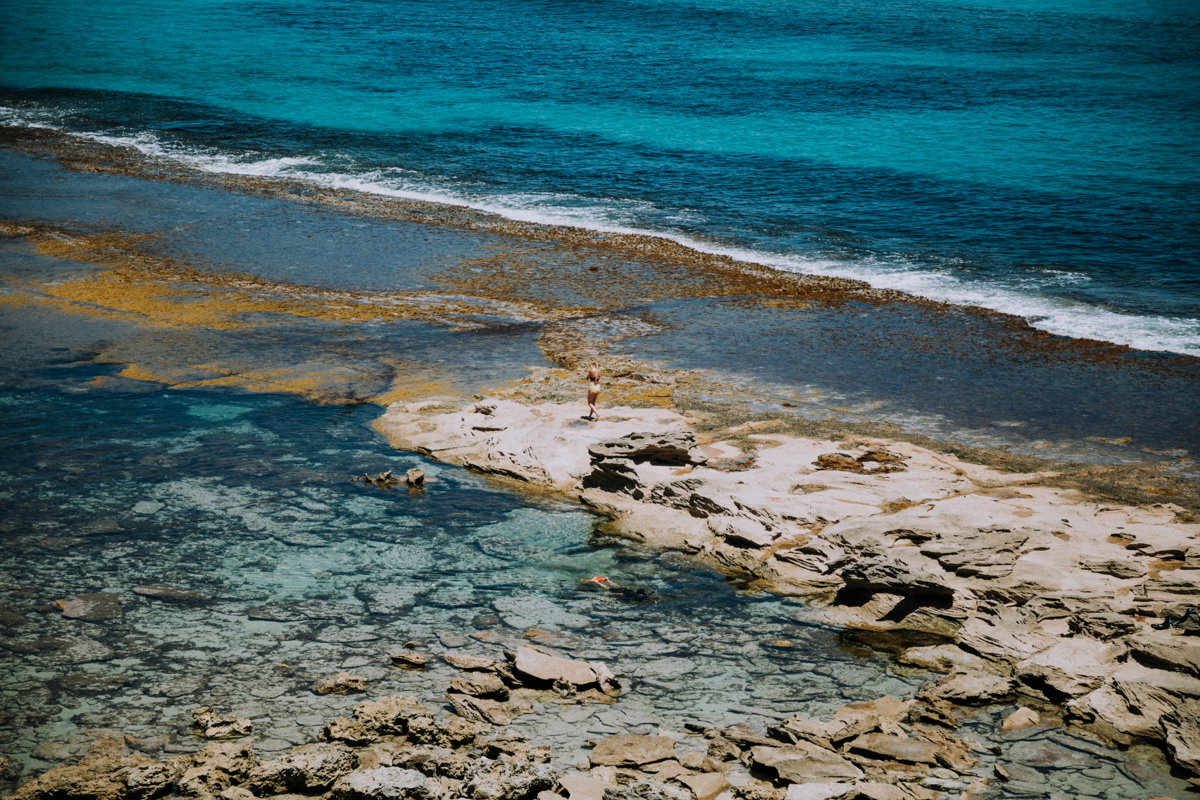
(1038,157)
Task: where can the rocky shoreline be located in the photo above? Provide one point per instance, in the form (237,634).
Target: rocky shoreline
(1014,588)
(395,747)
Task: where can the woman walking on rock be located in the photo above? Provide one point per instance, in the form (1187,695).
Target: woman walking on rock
(593,392)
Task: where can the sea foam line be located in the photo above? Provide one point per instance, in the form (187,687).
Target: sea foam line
(1057,315)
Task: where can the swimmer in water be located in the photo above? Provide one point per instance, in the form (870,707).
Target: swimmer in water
(593,391)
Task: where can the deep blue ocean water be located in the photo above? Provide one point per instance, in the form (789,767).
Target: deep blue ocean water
(1038,157)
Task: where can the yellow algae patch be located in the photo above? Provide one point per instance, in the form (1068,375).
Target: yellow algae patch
(165,292)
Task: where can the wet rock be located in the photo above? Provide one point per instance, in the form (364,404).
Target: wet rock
(805,763)
(469,663)
(481,685)
(478,708)
(391,714)
(1019,720)
(970,688)
(664,448)
(386,783)
(341,683)
(91,607)
(415,477)
(307,769)
(408,660)
(348,731)
(209,725)
(895,748)
(171,594)
(631,750)
(215,768)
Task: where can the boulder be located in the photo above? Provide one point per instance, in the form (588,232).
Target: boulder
(386,783)
(664,448)
(415,477)
(631,750)
(207,724)
(532,662)
(350,731)
(91,607)
(391,714)
(307,769)
(805,763)
(1019,720)
(216,768)
(341,683)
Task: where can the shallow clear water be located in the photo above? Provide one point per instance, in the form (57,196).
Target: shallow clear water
(1041,158)
(246,500)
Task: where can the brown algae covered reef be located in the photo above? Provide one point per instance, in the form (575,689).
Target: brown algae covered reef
(1026,579)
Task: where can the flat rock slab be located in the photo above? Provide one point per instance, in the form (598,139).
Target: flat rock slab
(90,607)
(1046,755)
(582,787)
(706,785)
(631,750)
(805,763)
(469,663)
(542,666)
(895,748)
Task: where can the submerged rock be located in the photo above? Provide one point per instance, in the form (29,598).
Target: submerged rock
(171,593)
(208,724)
(91,607)
(341,683)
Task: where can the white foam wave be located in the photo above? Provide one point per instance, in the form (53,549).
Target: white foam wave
(1054,314)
